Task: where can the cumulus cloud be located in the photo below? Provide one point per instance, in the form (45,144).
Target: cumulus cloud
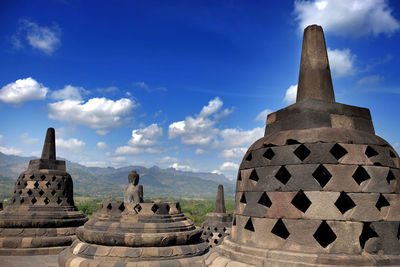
(101,114)
(70,144)
(141,141)
(237,137)
(43,38)
(69,92)
(199,151)
(101,145)
(229,166)
(26,139)
(185,168)
(290,95)
(233,153)
(341,62)
(10,151)
(146,87)
(347,17)
(199,129)
(168,159)
(23,90)
(262,116)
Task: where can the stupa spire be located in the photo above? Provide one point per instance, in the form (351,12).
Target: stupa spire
(315,76)
(220,202)
(49,146)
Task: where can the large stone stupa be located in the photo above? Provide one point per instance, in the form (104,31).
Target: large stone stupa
(135,233)
(320,188)
(41,217)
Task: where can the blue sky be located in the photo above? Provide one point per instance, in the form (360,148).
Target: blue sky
(185,84)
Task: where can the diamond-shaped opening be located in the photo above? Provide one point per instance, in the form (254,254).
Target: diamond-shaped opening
(398,232)
(322,175)
(301,201)
(382,202)
(264,200)
(109,206)
(59,201)
(292,142)
(239,176)
(30,192)
(234,221)
(137,208)
(154,208)
(249,156)
(53,178)
(178,207)
(391,153)
(268,145)
(121,207)
(390,177)
(243,199)
(219,235)
(59,186)
(338,151)
(249,225)
(48,184)
(370,152)
(43,177)
(269,154)
(20,192)
(19,183)
(53,192)
(13,200)
(224,229)
(41,192)
(21,200)
(33,201)
(324,235)
(32,176)
(25,184)
(283,175)
(302,152)
(168,208)
(377,164)
(36,184)
(46,201)
(253,175)
(344,203)
(360,175)
(280,229)
(215,229)
(367,233)
(215,241)
(63,178)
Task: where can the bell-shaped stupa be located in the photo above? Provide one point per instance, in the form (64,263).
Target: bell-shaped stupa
(136,233)
(217,224)
(41,217)
(320,188)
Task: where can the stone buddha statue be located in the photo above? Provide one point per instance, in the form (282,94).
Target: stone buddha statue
(131,192)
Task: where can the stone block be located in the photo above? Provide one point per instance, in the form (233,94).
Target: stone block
(391,212)
(365,209)
(341,179)
(322,206)
(378,182)
(355,155)
(281,206)
(387,242)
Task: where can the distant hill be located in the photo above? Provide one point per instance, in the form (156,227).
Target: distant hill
(109,182)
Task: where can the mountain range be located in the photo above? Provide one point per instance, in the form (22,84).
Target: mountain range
(109,181)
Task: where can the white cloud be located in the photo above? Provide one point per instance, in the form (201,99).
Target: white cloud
(234,153)
(23,90)
(69,92)
(10,150)
(185,168)
(369,80)
(128,150)
(347,17)
(290,95)
(216,172)
(237,137)
(1,137)
(229,166)
(43,38)
(101,114)
(146,87)
(199,151)
(101,164)
(168,159)
(72,144)
(199,130)
(101,145)
(341,62)
(262,116)
(146,136)
(26,139)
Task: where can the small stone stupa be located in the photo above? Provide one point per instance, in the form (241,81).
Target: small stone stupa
(41,217)
(217,224)
(135,233)
(320,188)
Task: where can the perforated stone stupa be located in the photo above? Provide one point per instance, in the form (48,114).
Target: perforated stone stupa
(320,188)
(217,224)
(136,234)
(41,217)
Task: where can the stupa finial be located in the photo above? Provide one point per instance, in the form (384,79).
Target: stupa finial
(315,76)
(220,202)
(49,146)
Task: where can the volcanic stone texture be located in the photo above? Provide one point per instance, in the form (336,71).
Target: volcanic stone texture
(41,217)
(143,234)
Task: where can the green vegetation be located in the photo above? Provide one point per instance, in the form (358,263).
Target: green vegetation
(194,209)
